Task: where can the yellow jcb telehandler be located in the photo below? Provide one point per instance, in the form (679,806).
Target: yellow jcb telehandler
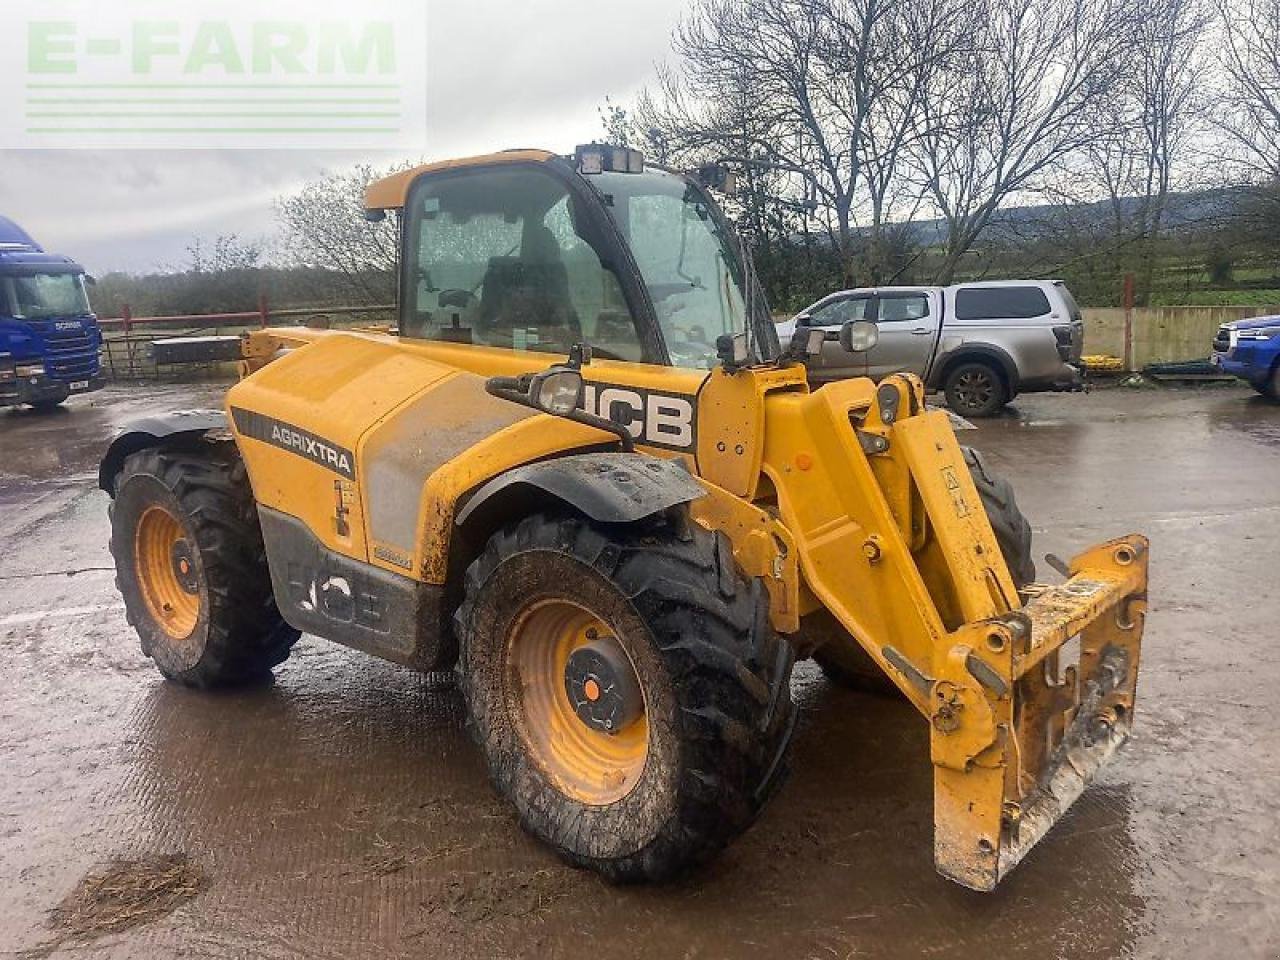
(584,471)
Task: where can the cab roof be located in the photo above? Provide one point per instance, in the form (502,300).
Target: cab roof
(391,193)
(19,253)
(14,238)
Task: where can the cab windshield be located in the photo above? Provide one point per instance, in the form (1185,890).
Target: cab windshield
(41,296)
(686,258)
(513,257)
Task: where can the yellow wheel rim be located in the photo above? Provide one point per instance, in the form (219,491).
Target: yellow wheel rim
(161,553)
(591,766)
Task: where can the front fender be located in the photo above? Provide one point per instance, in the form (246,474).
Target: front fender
(606,487)
(153,431)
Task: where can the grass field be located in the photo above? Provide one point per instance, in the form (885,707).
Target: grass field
(1217,297)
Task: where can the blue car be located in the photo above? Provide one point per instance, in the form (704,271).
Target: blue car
(1250,350)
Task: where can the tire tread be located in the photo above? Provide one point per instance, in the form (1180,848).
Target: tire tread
(730,670)
(246,635)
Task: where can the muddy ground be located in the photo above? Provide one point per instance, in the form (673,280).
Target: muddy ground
(341,811)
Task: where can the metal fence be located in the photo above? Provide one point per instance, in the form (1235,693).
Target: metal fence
(126,340)
(1141,335)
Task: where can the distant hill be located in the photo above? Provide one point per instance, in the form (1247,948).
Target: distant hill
(1183,211)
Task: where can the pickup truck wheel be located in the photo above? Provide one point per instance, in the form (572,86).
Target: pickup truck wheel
(631,698)
(192,569)
(1271,386)
(976,389)
(845,662)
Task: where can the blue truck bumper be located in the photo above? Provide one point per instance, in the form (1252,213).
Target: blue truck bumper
(1248,365)
(42,389)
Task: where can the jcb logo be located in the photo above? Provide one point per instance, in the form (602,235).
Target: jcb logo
(657,419)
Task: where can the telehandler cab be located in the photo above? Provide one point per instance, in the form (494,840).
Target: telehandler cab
(585,472)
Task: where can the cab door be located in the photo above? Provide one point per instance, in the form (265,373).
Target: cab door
(908,322)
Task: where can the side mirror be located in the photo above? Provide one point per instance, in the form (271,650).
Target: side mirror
(731,350)
(859,336)
(803,320)
(717,176)
(806,343)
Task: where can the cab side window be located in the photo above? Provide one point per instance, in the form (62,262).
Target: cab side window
(595,293)
(1001,303)
(902,307)
(835,313)
(495,258)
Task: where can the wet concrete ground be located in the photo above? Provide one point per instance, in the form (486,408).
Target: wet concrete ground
(341,811)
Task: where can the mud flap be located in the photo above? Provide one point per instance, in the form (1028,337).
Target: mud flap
(1013,748)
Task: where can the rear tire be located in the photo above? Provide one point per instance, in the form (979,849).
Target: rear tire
(713,716)
(192,569)
(976,389)
(842,658)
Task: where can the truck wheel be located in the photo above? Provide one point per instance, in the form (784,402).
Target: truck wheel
(976,389)
(841,657)
(192,569)
(45,404)
(1271,386)
(627,689)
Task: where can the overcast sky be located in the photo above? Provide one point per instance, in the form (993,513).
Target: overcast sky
(500,73)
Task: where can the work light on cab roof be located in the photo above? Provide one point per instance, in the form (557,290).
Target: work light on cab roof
(592,158)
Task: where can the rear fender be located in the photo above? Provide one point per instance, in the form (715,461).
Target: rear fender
(155,431)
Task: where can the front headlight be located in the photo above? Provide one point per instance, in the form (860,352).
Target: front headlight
(558,391)
(30,370)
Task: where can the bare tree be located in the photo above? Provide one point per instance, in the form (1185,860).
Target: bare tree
(1250,114)
(618,124)
(1145,131)
(1019,102)
(227,252)
(323,227)
(829,85)
(1251,62)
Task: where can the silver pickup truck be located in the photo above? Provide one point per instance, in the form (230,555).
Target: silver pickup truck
(981,344)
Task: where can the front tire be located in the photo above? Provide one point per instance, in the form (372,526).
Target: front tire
(627,689)
(976,389)
(192,569)
(842,658)
(1270,387)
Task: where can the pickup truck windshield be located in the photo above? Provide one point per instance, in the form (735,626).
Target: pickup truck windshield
(686,259)
(40,296)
